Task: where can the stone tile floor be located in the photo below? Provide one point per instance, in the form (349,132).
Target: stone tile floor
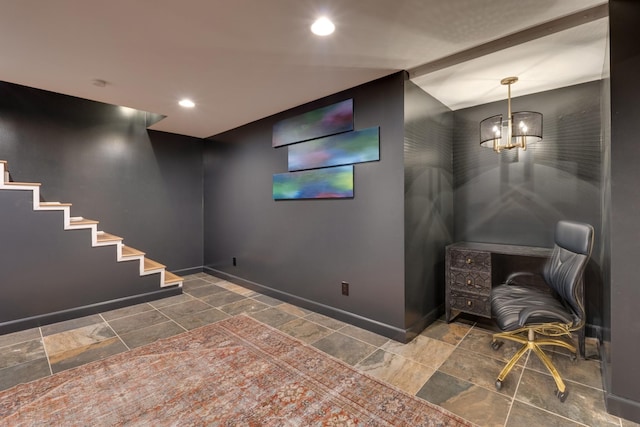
(451,365)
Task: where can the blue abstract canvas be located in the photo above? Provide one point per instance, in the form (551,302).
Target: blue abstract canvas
(344,149)
(327,183)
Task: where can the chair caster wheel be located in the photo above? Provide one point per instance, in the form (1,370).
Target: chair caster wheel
(495,345)
(573,357)
(562,395)
(498,385)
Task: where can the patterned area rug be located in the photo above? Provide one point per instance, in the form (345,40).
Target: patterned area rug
(235,372)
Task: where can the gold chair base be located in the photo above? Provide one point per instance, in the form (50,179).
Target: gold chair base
(527,337)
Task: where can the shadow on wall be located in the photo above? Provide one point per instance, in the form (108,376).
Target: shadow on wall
(519,203)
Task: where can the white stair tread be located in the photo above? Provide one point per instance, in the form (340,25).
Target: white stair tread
(23,184)
(106,237)
(129,251)
(170,278)
(54,204)
(150,264)
(82,221)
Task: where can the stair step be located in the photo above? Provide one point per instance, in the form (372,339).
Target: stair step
(53,204)
(23,184)
(106,237)
(82,221)
(150,264)
(129,251)
(170,278)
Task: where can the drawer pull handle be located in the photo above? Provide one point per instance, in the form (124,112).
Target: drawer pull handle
(469,261)
(469,282)
(469,303)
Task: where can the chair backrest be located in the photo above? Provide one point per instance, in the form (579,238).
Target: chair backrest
(564,272)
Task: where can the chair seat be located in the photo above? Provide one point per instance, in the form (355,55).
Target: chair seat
(513,306)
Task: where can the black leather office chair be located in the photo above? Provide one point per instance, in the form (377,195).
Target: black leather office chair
(533,316)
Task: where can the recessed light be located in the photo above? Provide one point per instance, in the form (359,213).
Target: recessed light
(322,27)
(187,103)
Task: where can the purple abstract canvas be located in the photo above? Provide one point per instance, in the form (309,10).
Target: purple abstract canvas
(320,122)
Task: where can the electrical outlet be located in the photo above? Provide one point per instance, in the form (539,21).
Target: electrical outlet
(345,288)
(234,261)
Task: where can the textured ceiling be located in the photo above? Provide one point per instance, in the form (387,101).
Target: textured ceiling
(242,60)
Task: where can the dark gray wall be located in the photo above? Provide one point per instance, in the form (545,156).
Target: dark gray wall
(623,377)
(305,248)
(142,185)
(428,203)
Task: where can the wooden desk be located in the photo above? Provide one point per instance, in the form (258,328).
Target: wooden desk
(472,268)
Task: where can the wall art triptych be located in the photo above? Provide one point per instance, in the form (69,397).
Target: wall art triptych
(322,149)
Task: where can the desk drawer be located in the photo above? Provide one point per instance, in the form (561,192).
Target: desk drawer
(470,260)
(470,303)
(471,281)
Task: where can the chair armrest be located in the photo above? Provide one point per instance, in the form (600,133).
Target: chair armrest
(512,279)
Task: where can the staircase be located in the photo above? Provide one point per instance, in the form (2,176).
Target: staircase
(124,254)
